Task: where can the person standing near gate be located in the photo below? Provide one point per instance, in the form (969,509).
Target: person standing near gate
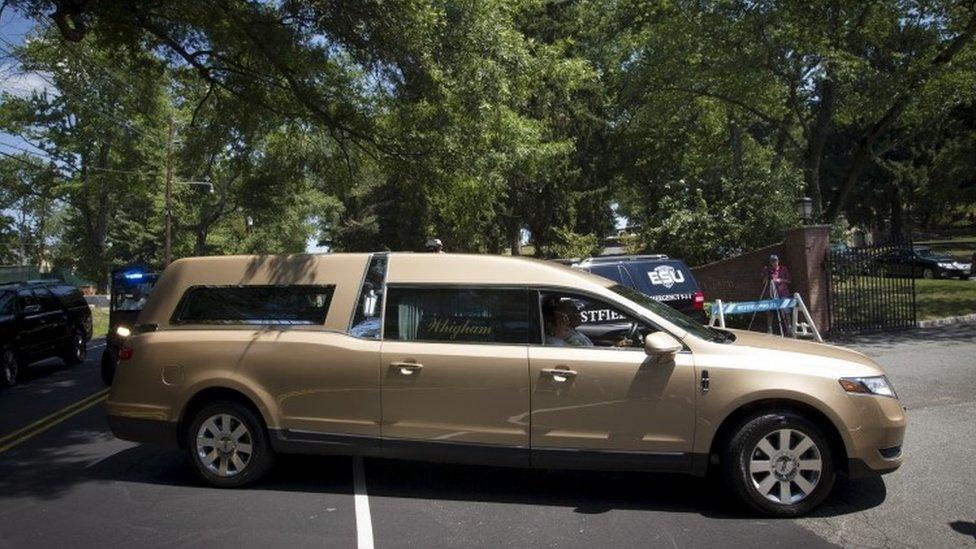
(776,280)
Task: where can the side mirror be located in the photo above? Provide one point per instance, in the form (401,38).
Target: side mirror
(661,344)
(32,309)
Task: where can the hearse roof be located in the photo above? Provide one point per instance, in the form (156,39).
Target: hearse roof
(345,272)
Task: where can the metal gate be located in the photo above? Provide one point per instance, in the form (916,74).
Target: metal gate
(867,292)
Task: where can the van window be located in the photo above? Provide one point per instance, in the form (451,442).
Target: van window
(49,303)
(6,303)
(255,305)
(608,271)
(483,315)
(70,296)
(26,298)
(369,307)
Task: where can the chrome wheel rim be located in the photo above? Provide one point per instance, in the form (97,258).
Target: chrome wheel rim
(9,367)
(80,347)
(785,466)
(224,445)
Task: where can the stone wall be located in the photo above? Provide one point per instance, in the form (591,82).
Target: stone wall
(802,251)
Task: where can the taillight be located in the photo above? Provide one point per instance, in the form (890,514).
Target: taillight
(699,299)
(125,353)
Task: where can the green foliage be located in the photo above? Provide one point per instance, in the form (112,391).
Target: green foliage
(368,125)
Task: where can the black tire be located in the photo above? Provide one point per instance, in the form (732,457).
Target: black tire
(257,464)
(743,448)
(110,361)
(78,351)
(9,367)
(929,274)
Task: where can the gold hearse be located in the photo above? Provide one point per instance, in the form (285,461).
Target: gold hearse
(487,359)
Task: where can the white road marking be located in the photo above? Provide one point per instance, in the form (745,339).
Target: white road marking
(364,524)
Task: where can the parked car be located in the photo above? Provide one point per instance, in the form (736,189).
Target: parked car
(40,320)
(921,261)
(469,358)
(130,288)
(667,280)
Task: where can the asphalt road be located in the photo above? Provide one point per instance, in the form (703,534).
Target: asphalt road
(70,482)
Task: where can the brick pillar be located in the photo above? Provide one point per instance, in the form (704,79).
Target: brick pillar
(804,250)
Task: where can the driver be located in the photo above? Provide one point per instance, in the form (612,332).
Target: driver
(574,315)
(563,316)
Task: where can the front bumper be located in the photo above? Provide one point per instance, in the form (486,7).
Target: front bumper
(877,443)
(954,273)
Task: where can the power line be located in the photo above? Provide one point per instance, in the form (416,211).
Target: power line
(69,167)
(113,116)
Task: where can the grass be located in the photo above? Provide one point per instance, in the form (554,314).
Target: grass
(942,298)
(99,321)
(864,296)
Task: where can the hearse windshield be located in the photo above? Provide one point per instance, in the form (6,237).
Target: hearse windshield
(673,316)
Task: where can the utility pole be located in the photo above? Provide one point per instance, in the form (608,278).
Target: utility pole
(168,237)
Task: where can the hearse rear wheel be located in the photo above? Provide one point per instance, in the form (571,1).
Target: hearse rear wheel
(779,463)
(228,445)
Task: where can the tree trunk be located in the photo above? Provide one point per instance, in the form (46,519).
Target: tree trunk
(816,142)
(735,142)
(897,214)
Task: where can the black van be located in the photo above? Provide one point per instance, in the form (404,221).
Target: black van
(40,320)
(667,280)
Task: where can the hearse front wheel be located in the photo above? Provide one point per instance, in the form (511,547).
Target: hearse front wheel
(228,445)
(780,464)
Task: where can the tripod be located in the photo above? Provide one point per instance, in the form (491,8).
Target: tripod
(773,294)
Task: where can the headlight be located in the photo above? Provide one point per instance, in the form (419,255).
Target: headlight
(876,385)
(946,265)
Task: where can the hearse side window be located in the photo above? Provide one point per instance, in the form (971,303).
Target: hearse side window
(366,321)
(255,305)
(469,315)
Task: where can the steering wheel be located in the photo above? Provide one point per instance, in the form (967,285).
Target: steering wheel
(633,333)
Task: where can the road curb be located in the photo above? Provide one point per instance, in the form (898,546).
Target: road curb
(948,321)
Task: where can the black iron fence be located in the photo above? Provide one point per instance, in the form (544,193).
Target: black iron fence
(868,290)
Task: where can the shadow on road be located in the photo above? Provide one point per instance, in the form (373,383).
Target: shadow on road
(48,472)
(967,528)
(42,369)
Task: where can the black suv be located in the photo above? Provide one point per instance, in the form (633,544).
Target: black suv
(40,320)
(667,280)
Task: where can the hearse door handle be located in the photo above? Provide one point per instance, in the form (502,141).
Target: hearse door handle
(407,368)
(560,374)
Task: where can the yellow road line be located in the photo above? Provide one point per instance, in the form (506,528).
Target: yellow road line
(45,423)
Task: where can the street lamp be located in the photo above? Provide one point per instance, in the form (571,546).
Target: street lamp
(804,208)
